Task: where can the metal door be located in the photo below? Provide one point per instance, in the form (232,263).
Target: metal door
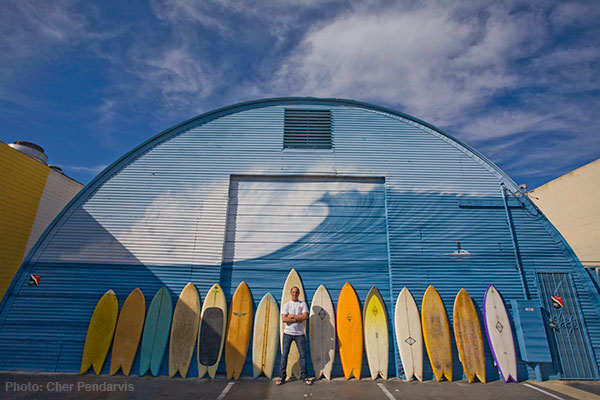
(570,338)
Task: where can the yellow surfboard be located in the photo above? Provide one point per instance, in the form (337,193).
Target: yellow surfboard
(184,330)
(469,340)
(436,333)
(376,334)
(350,331)
(128,332)
(100,333)
(239,329)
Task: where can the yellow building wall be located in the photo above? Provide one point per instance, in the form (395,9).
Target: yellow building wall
(572,203)
(22,181)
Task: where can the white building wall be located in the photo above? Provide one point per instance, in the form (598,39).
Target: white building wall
(58,191)
(572,203)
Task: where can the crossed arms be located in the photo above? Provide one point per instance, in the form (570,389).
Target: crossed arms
(293,318)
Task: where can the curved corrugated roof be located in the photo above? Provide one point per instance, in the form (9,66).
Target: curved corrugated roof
(278,101)
(254,104)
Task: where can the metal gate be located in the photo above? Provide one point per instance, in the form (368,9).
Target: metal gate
(570,339)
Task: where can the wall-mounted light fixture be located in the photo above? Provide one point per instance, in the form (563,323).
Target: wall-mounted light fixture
(459,251)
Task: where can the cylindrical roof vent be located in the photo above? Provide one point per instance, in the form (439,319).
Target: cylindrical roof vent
(30,149)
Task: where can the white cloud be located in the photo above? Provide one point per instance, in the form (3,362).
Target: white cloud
(55,21)
(241,20)
(550,159)
(582,12)
(28,30)
(178,74)
(433,61)
(81,168)
(502,123)
(495,74)
(220,49)
(42,31)
(492,73)
(107,110)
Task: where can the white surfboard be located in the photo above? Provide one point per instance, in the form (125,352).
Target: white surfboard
(264,342)
(293,364)
(322,333)
(409,335)
(499,334)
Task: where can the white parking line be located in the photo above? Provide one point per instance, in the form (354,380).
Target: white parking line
(224,392)
(387,392)
(543,391)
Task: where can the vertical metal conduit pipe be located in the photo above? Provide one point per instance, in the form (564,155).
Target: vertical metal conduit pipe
(514,242)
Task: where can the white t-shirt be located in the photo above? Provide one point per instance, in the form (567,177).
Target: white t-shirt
(295,308)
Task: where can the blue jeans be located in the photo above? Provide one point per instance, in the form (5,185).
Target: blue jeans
(301,344)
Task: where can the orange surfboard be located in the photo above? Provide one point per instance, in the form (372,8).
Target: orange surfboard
(350,331)
(128,332)
(469,340)
(239,329)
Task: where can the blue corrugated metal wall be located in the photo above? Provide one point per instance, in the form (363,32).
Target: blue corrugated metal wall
(424,229)
(542,251)
(159,216)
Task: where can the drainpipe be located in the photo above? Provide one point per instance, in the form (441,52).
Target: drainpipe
(537,367)
(514,242)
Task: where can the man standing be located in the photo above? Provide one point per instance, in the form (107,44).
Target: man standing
(293,313)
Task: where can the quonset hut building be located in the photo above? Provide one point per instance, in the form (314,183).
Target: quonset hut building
(337,189)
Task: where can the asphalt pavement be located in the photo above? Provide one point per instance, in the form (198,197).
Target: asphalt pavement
(89,386)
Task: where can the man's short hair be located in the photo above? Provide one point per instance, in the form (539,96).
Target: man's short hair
(294,287)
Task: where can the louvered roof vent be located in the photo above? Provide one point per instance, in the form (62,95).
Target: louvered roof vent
(307,129)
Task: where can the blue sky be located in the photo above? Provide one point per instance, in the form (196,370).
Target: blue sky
(517,80)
